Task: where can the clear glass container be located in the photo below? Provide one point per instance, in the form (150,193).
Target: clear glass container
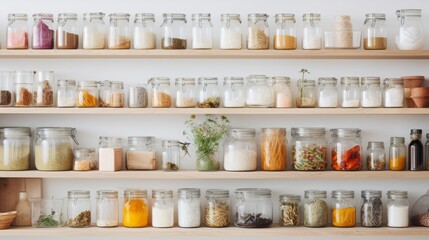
(47,212)
(420,211)
(94,31)
(43,31)
(273,149)
(346,149)
(285,36)
(107,208)
(144,31)
(343,208)
(397,209)
(315,208)
(371,92)
(240,150)
(87,94)
(185,93)
(217,208)
(258,32)
(290,210)
(79,209)
(174,31)
(328,93)
(371,212)
(43,94)
(161,93)
(170,155)
(282,92)
(258,92)
(119,35)
(230,31)
(17,31)
(189,207)
(416,161)
(350,92)
(109,142)
(409,29)
(397,154)
(15,148)
(135,211)
(309,149)
(141,153)
(234,94)
(253,208)
(312,34)
(208,92)
(85,159)
(66,93)
(162,208)
(7,90)
(116,98)
(306,94)
(24,88)
(202,31)
(375,156)
(67,33)
(341,35)
(375,32)
(138,96)
(393,94)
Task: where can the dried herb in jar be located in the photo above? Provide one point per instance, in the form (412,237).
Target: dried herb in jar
(173,43)
(171,167)
(316,213)
(252,220)
(83,219)
(212,102)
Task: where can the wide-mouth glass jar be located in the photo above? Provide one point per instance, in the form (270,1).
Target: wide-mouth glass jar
(43,94)
(258,92)
(375,32)
(254,208)
(202,31)
(234,95)
(240,151)
(285,36)
(94,31)
(107,208)
(343,208)
(258,32)
(371,213)
(393,93)
(162,208)
(17,31)
(273,149)
(185,93)
(371,92)
(66,93)
(290,210)
(397,209)
(79,209)
(43,31)
(7,92)
(350,92)
(174,31)
(217,208)
(119,35)
(48,212)
(87,94)
(375,156)
(67,34)
(346,149)
(144,31)
(328,93)
(161,93)
(189,207)
(15,148)
(23,88)
(309,149)
(306,94)
(135,211)
(208,92)
(312,35)
(315,208)
(282,92)
(409,29)
(230,31)
(141,153)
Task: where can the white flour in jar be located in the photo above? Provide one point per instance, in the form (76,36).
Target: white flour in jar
(397,216)
(144,39)
(230,39)
(162,217)
(409,38)
(394,97)
(240,160)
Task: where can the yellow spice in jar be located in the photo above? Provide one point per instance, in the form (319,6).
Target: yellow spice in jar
(135,213)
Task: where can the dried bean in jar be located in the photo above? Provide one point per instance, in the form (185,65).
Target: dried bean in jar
(252,220)
(372,209)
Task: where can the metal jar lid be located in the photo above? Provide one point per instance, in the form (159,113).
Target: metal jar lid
(371,193)
(162,193)
(343,194)
(217,193)
(78,194)
(375,144)
(315,193)
(189,192)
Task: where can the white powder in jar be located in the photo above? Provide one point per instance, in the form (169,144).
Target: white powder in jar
(328,101)
(371,99)
(202,38)
(93,39)
(66,99)
(259,97)
(144,39)
(230,39)
(311,40)
(234,99)
(394,97)
(240,160)
(189,212)
(162,217)
(107,212)
(397,216)
(352,103)
(282,96)
(409,38)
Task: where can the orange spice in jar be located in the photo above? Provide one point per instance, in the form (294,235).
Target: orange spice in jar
(397,154)
(273,149)
(135,210)
(343,208)
(285,36)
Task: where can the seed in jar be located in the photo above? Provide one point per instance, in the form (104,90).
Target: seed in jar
(217,214)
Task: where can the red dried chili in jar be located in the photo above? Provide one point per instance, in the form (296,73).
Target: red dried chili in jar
(346,149)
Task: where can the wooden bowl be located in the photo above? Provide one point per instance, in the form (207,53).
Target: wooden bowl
(6,219)
(413,81)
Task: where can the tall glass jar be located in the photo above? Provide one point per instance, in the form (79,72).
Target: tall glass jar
(170,155)
(23,88)
(306,94)
(107,208)
(138,96)
(104,93)
(119,35)
(350,92)
(427,151)
(371,92)
(185,93)
(202,31)
(409,29)
(217,208)
(43,95)
(282,92)
(315,208)
(328,93)
(285,37)
(290,210)
(17,31)
(234,94)
(345,149)
(189,207)
(144,31)
(162,208)
(174,31)
(7,91)
(312,34)
(375,32)
(66,93)
(397,154)
(240,150)
(67,33)
(116,98)
(273,149)
(258,92)
(135,212)
(393,93)
(79,209)
(258,32)
(397,209)
(160,95)
(416,161)
(254,208)
(141,154)
(343,208)
(375,156)
(230,31)
(43,31)
(309,149)
(15,146)
(371,213)
(94,31)
(87,94)
(208,92)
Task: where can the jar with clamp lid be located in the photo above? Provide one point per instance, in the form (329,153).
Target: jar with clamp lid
(66,93)
(409,29)
(312,34)
(67,34)
(141,154)
(375,33)
(285,37)
(15,146)
(160,95)
(306,94)
(7,91)
(350,92)
(174,31)
(208,92)
(107,208)
(217,208)
(87,94)
(397,209)
(393,93)
(371,214)
(343,208)
(234,94)
(397,154)
(254,208)
(43,94)
(258,32)
(282,92)
(17,31)
(170,155)
(371,92)
(309,149)
(240,151)
(119,35)
(162,208)
(135,211)
(346,149)
(189,207)
(202,31)
(23,88)
(185,93)
(79,209)
(315,208)
(258,92)
(94,31)
(144,31)
(375,156)
(290,210)
(328,93)
(230,31)
(43,31)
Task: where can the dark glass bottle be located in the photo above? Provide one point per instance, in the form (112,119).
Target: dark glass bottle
(415,151)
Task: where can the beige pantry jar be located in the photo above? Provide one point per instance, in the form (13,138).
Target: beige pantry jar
(258,31)
(15,148)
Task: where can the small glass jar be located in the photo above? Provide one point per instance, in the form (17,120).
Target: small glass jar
(160,95)
(189,207)
(371,92)
(315,208)
(15,145)
(397,154)
(393,93)
(350,92)
(66,93)
(427,151)
(343,208)
(79,209)
(107,208)
(43,31)
(174,31)
(170,155)
(144,31)
(253,208)
(240,150)
(230,31)
(306,94)
(138,96)
(7,91)
(312,35)
(371,213)
(409,29)
(17,31)
(217,208)
(116,98)
(309,149)
(119,35)
(87,94)
(208,92)
(258,92)
(85,159)
(282,92)
(234,95)
(54,148)
(290,210)
(94,31)
(202,31)
(328,93)
(109,142)
(24,88)
(258,32)
(375,32)
(43,95)
(135,211)
(141,154)
(185,93)
(345,149)
(375,156)
(285,37)
(397,209)
(162,208)
(67,34)
(273,149)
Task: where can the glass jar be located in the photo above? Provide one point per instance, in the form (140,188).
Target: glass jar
(397,154)
(273,149)
(350,92)
(328,93)
(234,95)
(240,150)
(107,208)
(254,208)
(144,31)
(162,208)
(419,212)
(202,31)
(258,92)
(371,213)
(230,31)
(394,93)
(185,93)
(375,156)
(116,98)
(189,207)
(174,31)
(217,208)
(416,161)
(309,149)
(141,154)
(66,93)
(109,142)
(312,35)
(258,32)
(138,96)
(135,211)
(87,94)
(94,31)
(67,34)
(15,148)
(397,209)
(43,31)
(306,94)
(160,95)
(47,212)
(85,159)
(343,208)
(43,95)
(54,148)
(208,92)
(79,209)
(371,92)
(315,208)
(409,29)
(375,32)
(345,149)
(285,37)
(17,31)
(7,92)
(282,92)
(170,155)
(119,35)
(290,210)
(23,88)
(427,151)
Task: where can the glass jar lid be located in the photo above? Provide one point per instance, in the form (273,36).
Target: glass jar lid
(217,193)
(117,84)
(345,132)
(105,142)
(134,140)
(15,131)
(349,80)
(141,17)
(169,143)
(189,192)
(371,193)
(159,81)
(66,83)
(83,153)
(242,132)
(253,192)
(201,16)
(416,131)
(78,194)
(396,140)
(327,80)
(257,79)
(185,81)
(374,17)
(394,194)
(308,132)
(174,16)
(233,80)
(315,193)
(207,80)
(306,83)
(373,145)
(401,13)
(17,16)
(139,193)
(56,131)
(42,76)
(94,15)
(230,16)
(254,17)
(289,197)
(107,194)
(119,16)
(276,130)
(370,80)
(87,84)
(282,17)
(311,17)
(281,79)
(343,194)
(43,16)
(67,16)
(394,82)
(162,193)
